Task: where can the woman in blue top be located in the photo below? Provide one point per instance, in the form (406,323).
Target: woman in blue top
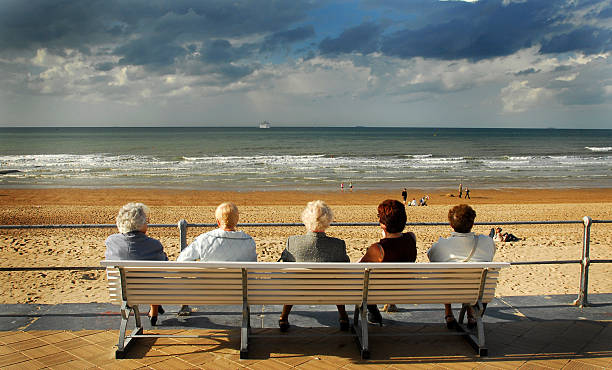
(132,243)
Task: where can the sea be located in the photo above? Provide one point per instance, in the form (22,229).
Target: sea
(303,158)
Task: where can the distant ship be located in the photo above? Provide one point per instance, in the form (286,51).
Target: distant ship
(264,124)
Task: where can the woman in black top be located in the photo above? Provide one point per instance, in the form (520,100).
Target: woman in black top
(395,246)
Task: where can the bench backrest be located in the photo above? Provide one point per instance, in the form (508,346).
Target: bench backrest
(203,283)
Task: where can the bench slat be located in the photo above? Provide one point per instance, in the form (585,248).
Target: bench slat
(278,293)
(458,275)
(401,284)
(288,268)
(304,275)
(280,287)
(177,274)
(169,287)
(203,292)
(408,292)
(177,300)
(182,281)
(169,266)
(427,270)
(456,285)
(306,300)
(407,273)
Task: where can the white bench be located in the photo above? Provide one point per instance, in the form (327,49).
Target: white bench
(133,283)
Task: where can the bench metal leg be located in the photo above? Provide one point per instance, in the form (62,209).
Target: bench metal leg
(462,313)
(476,341)
(245,328)
(360,328)
(124,344)
(244,332)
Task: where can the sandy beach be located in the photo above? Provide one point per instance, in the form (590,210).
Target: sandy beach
(85,247)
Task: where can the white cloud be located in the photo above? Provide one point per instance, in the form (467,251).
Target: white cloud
(567,78)
(508,2)
(120,76)
(519,97)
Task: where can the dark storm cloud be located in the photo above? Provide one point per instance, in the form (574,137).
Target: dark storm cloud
(363,39)
(475,31)
(144,32)
(282,39)
(52,24)
(588,39)
(150,51)
(104,67)
(221,51)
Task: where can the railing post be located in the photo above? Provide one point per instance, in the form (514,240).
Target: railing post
(585,262)
(182,225)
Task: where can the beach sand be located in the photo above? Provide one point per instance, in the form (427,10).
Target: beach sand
(85,247)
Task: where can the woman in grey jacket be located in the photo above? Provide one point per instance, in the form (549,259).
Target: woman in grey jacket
(132,243)
(315,246)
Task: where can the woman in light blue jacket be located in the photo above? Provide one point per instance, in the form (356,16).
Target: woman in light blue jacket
(224,244)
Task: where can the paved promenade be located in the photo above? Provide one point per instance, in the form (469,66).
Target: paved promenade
(528,332)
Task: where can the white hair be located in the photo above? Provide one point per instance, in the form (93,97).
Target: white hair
(132,217)
(317,216)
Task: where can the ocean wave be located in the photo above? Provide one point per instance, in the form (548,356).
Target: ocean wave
(599,148)
(252,170)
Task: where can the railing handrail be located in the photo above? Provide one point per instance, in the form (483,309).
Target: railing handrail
(291,224)
(183,225)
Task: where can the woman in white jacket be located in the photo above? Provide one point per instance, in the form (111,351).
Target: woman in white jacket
(462,246)
(224,244)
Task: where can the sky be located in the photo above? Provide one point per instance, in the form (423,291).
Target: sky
(487,63)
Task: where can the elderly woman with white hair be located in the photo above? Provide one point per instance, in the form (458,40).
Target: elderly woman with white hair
(315,246)
(132,243)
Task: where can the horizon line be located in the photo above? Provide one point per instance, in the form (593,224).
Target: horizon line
(300,126)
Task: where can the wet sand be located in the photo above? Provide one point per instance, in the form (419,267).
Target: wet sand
(85,247)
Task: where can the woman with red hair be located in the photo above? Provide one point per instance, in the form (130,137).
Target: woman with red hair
(395,246)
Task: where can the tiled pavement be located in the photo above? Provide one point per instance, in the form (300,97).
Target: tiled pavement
(522,332)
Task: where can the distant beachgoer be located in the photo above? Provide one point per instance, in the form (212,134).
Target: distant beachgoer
(460,190)
(351,186)
(467,193)
(504,237)
(413,203)
(423,201)
(404,195)
(341,186)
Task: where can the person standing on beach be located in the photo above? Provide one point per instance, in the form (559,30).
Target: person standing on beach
(467,193)
(460,190)
(341,186)
(132,243)
(404,195)
(351,185)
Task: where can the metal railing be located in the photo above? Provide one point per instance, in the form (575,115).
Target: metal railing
(584,262)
